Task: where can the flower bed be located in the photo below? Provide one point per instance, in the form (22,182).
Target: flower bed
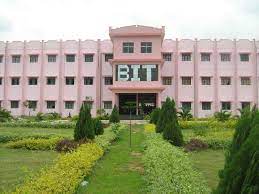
(169,170)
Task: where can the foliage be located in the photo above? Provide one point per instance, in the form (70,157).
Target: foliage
(154,116)
(5,115)
(114,117)
(195,145)
(66,174)
(222,116)
(66,145)
(147,117)
(169,170)
(84,127)
(149,128)
(115,127)
(74,118)
(240,174)
(185,114)
(98,126)
(34,144)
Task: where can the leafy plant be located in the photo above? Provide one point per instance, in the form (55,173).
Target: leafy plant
(66,145)
(98,126)
(154,116)
(115,128)
(222,116)
(5,115)
(195,145)
(150,128)
(185,114)
(114,117)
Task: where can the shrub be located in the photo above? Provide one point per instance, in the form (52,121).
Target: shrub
(114,118)
(98,126)
(115,127)
(195,145)
(149,128)
(169,170)
(185,114)
(154,116)
(5,115)
(66,145)
(147,117)
(222,115)
(74,118)
(84,126)
(68,171)
(34,144)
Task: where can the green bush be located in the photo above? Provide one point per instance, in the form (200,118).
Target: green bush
(114,117)
(169,170)
(222,116)
(5,115)
(98,126)
(67,173)
(185,114)
(84,127)
(154,116)
(34,144)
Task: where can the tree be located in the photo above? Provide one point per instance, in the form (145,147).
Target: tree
(161,119)
(222,116)
(240,173)
(98,126)
(84,126)
(171,130)
(185,114)
(114,118)
(154,116)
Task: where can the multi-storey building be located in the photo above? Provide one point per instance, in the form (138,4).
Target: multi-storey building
(136,65)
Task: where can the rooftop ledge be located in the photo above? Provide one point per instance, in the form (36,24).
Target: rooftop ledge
(149,60)
(136,89)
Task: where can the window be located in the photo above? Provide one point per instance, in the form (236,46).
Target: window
(89,57)
(108,81)
(187,105)
(205,56)
(205,81)
(186,57)
(1,58)
(69,104)
(89,104)
(88,80)
(34,58)
(206,105)
(1,81)
(226,105)
(51,104)
(15,81)
(14,104)
(70,58)
(70,81)
(245,105)
(146,47)
(51,80)
(32,104)
(244,57)
(33,81)
(107,104)
(186,81)
(128,47)
(245,81)
(225,56)
(16,58)
(225,81)
(167,56)
(52,58)
(167,80)
(108,56)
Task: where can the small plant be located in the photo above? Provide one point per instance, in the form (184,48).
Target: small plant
(114,118)
(195,145)
(5,115)
(98,126)
(155,115)
(66,145)
(222,116)
(115,128)
(185,114)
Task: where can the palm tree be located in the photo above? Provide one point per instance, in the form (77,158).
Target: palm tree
(185,114)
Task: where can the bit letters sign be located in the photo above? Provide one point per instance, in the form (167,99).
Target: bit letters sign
(136,72)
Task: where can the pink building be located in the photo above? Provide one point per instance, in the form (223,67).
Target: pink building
(136,65)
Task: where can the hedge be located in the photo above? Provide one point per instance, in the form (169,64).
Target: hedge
(169,170)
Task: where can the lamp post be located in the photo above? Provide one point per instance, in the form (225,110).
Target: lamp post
(130,106)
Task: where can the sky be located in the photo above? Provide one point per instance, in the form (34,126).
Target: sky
(90,19)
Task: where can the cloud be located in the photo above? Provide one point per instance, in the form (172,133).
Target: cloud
(5,25)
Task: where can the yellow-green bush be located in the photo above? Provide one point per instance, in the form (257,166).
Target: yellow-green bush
(150,128)
(34,144)
(66,174)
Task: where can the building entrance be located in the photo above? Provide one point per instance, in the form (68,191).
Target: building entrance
(141,103)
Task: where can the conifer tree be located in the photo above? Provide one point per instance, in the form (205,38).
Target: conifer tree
(114,117)
(155,115)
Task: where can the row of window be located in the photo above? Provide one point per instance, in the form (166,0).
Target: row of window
(128,47)
(52,81)
(244,57)
(207,105)
(32,104)
(53,58)
(206,80)
(109,81)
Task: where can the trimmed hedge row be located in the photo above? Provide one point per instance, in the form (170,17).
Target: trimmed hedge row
(34,144)
(7,138)
(169,170)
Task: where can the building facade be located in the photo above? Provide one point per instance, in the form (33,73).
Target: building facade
(136,65)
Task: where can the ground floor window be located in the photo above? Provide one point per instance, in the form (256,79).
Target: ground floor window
(32,104)
(51,104)
(206,105)
(69,104)
(107,104)
(14,104)
(245,105)
(226,105)
(187,105)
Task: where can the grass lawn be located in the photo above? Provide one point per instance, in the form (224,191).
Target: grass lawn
(15,164)
(209,162)
(120,170)
(23,132)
